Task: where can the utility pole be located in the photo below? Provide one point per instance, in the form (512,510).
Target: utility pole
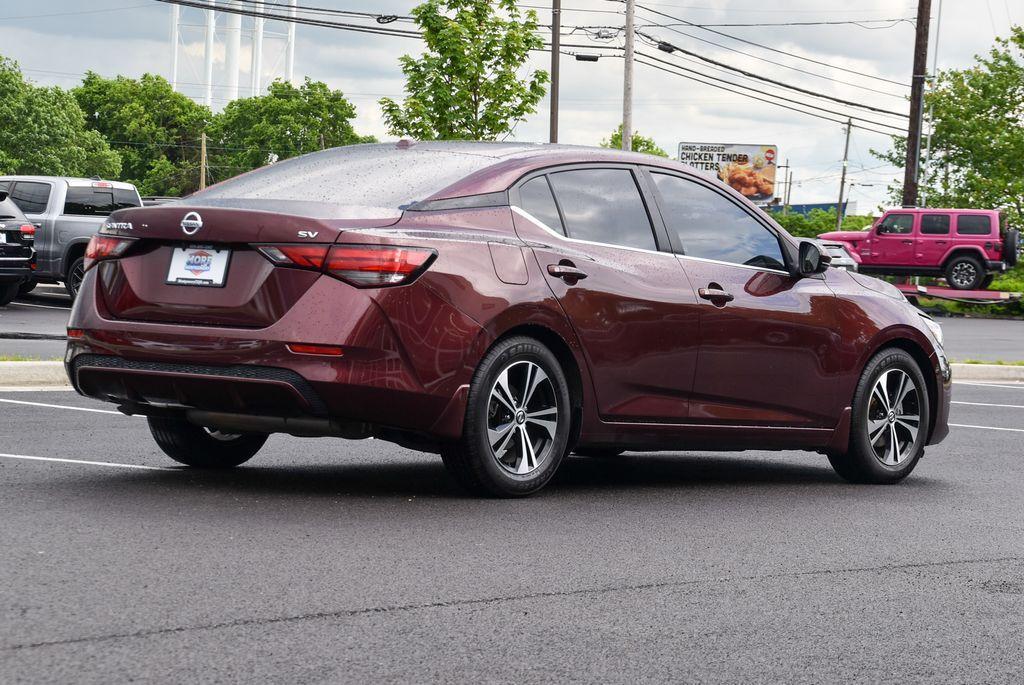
(627,80)
(924,8)
(842,180)
(175,21)
(789,187)
(211,32)
(556,41)
(778,183)
(935,72)
(202,161)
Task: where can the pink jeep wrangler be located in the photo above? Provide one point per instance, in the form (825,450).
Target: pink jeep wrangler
(966,246)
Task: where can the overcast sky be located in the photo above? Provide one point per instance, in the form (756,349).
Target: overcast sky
(56,41)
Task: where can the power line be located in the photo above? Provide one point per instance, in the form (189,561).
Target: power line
(662,45)
(860,24)
(782,64)
(770,99)
(77,12)
(769,48)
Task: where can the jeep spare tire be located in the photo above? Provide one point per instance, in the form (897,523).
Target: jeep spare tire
(1011,247)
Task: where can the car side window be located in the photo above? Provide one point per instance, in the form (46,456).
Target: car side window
(31,197)
(973,224)
(5,186)
(88,202)
(935,224)
(711,226)
(896,224)
(536,198)
(603,206)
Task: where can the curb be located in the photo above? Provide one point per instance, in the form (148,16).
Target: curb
(987,372)
(50,374)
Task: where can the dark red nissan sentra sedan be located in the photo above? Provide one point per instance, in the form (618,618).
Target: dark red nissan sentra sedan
(502,305)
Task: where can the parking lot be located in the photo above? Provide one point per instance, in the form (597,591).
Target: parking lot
(326,560)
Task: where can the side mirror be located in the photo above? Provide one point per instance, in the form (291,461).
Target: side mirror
(813,259)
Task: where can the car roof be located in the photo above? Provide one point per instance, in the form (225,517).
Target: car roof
(70,180)
(938,210)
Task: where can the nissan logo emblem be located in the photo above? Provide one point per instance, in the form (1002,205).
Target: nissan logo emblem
(191,223)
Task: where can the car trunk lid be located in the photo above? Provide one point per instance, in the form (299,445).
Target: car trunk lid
(202,265)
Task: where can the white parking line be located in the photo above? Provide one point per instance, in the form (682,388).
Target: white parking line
(62,406)
(41,306)
(990,428)
(1018,386)
(88,463)
(986,404)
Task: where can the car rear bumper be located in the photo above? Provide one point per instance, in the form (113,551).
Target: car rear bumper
(16,271)
(996,265)
(394,373)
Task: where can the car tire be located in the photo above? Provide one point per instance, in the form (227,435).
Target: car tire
(1011,247)
(8,291)
(27,287)
(890,398)
(192,445)
(73,277)
(964,273)
(518,421)
(598,452)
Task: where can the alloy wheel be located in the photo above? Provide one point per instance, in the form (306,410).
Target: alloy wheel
(894,417)
(76,276)
(964,274)
(522,418)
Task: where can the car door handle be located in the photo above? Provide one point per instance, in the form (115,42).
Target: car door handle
(715,295)
(908,242)
(566,272)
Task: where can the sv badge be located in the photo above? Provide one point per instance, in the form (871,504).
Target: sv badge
(308,234)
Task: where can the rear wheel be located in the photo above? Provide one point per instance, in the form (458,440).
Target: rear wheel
(73,278)
(8,291)
(964,273)
(27,287)
(203,448)
(890,421)
(517,422)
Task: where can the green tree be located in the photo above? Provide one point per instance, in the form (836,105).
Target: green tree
(977,144)
(43,131)
(286,122)
(640,143)
(818,221)
(154,129)
(467,84)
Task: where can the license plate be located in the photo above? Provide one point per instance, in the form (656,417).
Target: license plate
(199,265)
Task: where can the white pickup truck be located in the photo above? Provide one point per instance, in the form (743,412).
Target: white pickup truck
(66,213)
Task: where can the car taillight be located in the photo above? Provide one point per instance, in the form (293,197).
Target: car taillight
(366,266)
(28,232)
(105,247)
(301,256)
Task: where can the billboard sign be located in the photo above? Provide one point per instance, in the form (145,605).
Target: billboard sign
(749,169)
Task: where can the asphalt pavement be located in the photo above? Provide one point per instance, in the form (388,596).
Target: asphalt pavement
(332,561)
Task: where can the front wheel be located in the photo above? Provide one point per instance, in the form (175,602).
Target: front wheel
(890,421)
(517,422)
(204,448)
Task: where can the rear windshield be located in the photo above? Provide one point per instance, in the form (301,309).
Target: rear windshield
(356,178)
(9,210)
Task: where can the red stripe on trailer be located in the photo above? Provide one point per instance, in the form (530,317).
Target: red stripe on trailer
(941,293)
